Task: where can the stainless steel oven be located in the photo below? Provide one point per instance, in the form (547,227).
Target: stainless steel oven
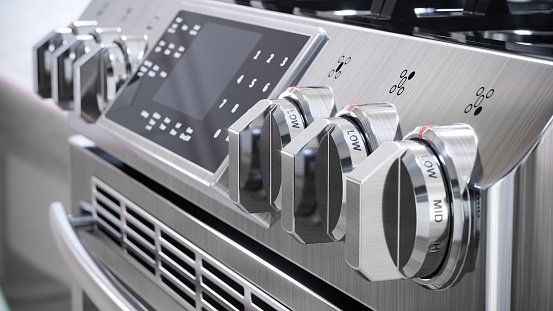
(306,155)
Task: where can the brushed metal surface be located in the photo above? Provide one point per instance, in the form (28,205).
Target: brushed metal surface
(447,82)
(447,79)
(325,260)
(283,287)
(532,270)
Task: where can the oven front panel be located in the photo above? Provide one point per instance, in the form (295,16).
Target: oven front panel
(298,276)
(506,98)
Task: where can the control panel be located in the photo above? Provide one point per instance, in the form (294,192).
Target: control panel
(203,73)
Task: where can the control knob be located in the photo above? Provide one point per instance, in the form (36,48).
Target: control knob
(44,50)
(255,141)
(101,73)
(409,207)
(66,56)
(316,162)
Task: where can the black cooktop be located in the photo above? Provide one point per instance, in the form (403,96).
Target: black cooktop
(517,26)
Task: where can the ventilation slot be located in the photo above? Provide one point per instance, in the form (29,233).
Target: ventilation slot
(182,269)
(223,278)
(259,303)
(173,242)
(112,236)
(108,196)
(109,223)
(182,294)
(140,259)
(169,256)
(178,276)
(140,219)
(109,209)
(212,303)
(221,293)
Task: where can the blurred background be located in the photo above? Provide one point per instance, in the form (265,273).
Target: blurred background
(34,161)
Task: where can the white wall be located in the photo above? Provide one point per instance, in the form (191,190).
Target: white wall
(24,22)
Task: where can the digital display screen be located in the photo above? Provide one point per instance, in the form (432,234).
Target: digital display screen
(202,74)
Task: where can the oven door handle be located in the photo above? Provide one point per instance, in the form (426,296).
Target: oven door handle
(90,276)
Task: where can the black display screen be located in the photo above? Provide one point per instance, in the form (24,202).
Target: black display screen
(203,73)
(206,68)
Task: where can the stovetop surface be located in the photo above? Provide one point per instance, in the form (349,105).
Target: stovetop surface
(516,26)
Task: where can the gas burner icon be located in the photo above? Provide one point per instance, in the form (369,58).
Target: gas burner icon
(337,72)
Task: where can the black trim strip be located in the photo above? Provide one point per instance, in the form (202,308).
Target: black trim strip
(314,283)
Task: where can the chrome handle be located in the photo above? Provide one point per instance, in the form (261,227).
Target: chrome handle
(105,294)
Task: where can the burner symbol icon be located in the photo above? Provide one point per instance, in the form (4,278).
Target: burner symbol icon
(400,86)
(480,97)
(337,72)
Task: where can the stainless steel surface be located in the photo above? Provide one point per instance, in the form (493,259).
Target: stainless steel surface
(400,206)
(530,268)
(397,230)
(106,35)
(104,294)
(186,272)
(206,240)
(452,84)
(499,260)
(316,162)
(421,102)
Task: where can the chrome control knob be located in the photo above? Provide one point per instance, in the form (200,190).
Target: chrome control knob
(62,69)
(106,35)
(286,121)
(409,208)
(83,27)
(44,50)
(100,74)
(269,124)
(134,48)
(65,57)
(315,163)
(358,131)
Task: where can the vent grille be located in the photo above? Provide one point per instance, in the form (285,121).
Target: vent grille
(186,272)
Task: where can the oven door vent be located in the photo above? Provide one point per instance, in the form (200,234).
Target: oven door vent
(187,273)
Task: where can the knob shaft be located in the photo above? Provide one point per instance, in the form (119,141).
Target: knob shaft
(402,210)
